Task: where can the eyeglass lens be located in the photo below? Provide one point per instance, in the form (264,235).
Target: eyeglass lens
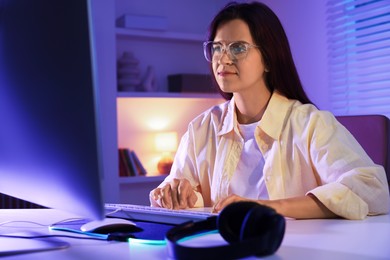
(214,50)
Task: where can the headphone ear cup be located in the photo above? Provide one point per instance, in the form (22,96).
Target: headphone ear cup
(264,224)
(231,218)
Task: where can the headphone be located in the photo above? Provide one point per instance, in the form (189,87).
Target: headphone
(250,229)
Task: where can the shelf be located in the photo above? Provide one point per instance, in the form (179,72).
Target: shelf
(166,95)
(161,35)
(141,179)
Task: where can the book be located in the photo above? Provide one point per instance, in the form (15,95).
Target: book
(141,171)
(122,165)
(125,166)
(129,163)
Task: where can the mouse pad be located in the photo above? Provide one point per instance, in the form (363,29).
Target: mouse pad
(147,230)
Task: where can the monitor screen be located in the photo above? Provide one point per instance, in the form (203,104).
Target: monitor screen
(49,136)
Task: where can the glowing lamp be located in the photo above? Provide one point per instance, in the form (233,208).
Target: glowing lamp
(166,143)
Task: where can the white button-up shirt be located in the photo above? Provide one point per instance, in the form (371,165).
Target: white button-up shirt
(305,151)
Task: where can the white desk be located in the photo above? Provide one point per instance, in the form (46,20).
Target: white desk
(304,239)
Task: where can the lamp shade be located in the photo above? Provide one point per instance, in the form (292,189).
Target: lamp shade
(166,142)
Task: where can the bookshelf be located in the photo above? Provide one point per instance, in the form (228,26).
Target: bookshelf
(154,48)
(166,53)
(169,52)
(173,114)
(142,179)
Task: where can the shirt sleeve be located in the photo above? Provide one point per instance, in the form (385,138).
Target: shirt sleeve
(353,186)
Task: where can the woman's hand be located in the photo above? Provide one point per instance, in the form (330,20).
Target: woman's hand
(228,200)
(177,194)
(235,198)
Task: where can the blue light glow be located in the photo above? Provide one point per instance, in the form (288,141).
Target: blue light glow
(198,235)
(137,241)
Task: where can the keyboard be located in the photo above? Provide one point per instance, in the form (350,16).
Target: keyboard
(159,215)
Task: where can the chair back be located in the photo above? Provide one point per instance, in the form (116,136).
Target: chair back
(373,134)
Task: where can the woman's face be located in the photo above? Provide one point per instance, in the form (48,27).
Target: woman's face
(242,75)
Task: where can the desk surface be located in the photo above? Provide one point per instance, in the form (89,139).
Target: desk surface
(304,239)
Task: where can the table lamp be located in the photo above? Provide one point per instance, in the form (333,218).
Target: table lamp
(166,143)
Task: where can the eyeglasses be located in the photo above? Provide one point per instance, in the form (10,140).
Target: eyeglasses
(213,51)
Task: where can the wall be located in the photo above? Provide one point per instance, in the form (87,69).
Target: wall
(304,23)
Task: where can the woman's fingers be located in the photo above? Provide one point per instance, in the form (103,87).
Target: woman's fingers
(166,197)
(177,194)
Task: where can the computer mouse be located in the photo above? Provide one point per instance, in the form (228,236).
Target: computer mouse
(110,225)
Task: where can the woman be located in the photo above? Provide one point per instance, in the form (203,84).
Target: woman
(268,143)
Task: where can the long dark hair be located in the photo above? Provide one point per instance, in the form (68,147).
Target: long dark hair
(267,33)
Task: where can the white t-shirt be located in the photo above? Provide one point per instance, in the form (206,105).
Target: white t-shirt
(248,179)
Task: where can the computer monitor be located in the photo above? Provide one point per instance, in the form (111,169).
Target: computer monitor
(49,129)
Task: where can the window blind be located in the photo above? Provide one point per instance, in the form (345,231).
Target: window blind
(359,56)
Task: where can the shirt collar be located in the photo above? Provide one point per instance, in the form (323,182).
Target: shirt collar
(275,115)
(272,122)
(230,118)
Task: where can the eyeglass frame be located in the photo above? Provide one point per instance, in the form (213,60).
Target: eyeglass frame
(226,49)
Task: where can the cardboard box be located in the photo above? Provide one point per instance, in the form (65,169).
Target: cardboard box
(191,83)
(142,22)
